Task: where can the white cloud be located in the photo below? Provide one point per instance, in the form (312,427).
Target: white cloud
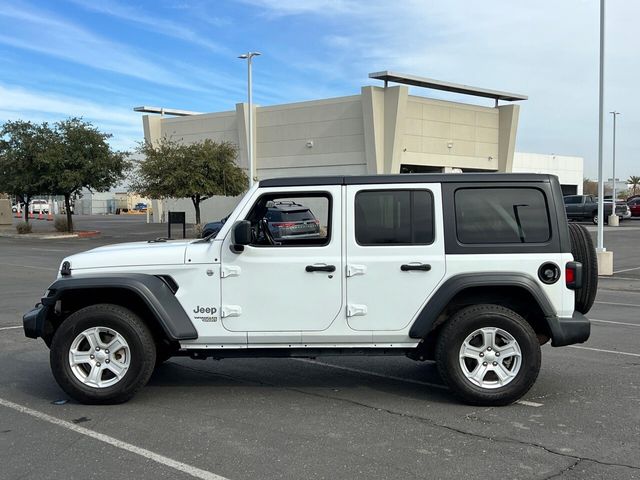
(19,103)
(156,24)
(43,32)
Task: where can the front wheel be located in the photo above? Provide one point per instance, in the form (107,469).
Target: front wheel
(488,355)
(102,354)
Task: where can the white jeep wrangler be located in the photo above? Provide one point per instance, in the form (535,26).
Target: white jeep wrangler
(474,271)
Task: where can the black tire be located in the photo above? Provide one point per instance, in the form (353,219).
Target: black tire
(584,252)
(464,323)
(125,323)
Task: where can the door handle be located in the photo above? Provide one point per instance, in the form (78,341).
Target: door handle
(423,267)
(320,268)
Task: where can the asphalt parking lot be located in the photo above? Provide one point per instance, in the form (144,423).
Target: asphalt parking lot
(330,418)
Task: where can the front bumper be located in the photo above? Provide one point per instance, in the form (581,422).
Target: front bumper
(569,330)
(34,321)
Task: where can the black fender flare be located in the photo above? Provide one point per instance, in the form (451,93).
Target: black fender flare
(155,292)
(454,285)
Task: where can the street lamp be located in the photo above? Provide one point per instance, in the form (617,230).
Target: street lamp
(615,114)
(248,57)
(600,241)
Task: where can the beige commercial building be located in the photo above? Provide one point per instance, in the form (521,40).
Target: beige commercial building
(383,129)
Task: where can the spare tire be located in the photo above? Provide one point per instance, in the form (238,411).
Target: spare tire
(584,252)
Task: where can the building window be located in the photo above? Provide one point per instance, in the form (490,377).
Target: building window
(394,217)
(501,215)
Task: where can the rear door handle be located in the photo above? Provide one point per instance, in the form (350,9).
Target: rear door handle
(423,267)
(320,268)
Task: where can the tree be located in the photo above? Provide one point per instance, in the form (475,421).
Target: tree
(589,187)
(634,181)
(80,157)
(197,171)
(23,164)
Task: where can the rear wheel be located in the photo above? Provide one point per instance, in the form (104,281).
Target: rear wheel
(102,354)
(584,252)
(488,355)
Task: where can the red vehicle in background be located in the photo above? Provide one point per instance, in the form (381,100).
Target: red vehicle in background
(634,206)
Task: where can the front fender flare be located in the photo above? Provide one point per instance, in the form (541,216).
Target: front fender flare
(153,291)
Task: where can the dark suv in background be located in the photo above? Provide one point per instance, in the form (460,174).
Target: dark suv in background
(285,220)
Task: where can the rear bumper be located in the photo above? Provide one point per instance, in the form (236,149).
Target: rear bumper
(33,321)
(569,330)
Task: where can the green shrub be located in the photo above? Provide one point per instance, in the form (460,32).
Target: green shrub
(60,224)
(23,227)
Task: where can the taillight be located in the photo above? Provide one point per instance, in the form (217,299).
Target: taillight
(284,224)
(573,275)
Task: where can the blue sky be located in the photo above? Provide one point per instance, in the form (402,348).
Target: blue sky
(99,59)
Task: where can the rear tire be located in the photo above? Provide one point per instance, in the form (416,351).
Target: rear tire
(488,355)
(102,354)
(584,252)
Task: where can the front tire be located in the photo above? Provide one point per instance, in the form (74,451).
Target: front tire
(488,355)
(102,354)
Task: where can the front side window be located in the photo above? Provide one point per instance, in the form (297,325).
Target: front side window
(572,200)
(501,215)
(284,220)
(394,217)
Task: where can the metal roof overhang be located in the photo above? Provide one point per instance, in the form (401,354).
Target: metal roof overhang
(165,111)
(423,82)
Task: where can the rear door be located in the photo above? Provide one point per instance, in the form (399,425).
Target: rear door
(395,253)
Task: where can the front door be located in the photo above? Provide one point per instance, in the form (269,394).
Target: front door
(289,278)
(395,253)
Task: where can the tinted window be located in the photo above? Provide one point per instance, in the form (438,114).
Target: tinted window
(501,215)
(572,200)
(394,217)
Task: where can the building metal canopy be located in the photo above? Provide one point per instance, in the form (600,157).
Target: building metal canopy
(166,111)
(416,81)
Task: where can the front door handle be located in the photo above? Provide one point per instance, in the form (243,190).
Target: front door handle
(423,267)
(320,268)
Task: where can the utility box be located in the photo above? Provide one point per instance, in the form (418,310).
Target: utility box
(5,212)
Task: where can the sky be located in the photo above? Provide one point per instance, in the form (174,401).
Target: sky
(99,59)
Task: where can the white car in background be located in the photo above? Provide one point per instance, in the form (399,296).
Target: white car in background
(39,206)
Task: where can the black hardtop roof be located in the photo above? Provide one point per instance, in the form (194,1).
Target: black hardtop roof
(407,178)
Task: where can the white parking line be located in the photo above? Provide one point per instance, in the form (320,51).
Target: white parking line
(393,377)
(367,372)
(626,270)
(10,328)
(620,304)
(605,351)
(182,467)
(615,323)
(49,269)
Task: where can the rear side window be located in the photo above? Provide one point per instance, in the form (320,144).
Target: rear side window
(501,215)
(394,217)
(572,200)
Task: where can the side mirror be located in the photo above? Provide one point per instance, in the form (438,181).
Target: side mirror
(240,235)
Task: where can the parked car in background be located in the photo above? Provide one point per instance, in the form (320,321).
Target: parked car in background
(621,206)
(288,220)
(141,206)
(14,207)
(634,206)
(211,229)
(585,207)
(39,206)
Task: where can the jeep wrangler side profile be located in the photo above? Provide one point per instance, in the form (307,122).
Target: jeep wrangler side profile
(474,271)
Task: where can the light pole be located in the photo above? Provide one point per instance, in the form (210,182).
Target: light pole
(615,114)
(600,242)
(249,56)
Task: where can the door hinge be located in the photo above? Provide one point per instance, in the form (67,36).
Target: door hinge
(231,311)
(353,270)
(356,310)
(230,271)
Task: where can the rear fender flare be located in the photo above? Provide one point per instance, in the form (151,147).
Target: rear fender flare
(456,284)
